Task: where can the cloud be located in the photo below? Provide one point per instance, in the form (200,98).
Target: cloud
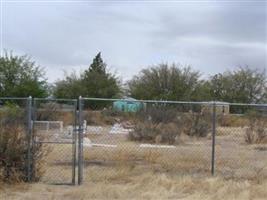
(211,36)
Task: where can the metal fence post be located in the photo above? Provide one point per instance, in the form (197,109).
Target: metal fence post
(33,114)
(213,137)
(29,138)
(74,142)
(80,143)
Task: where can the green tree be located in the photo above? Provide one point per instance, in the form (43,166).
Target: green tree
(96,81)
(98,65)
(202,91)
(166,82)
(70,87)
(244,85)
(20,77)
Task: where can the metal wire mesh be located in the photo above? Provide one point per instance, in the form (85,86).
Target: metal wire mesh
(173,137)
(104,139)
(241,138)
(14,140)
(54,131)
(145,136)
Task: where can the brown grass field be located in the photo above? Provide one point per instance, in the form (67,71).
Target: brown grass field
(149,185)
(131,172)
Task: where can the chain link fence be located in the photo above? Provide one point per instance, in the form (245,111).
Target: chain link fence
(241,142)
(68,141)
(197,138)
(145,136)
(54,125)
(15,146)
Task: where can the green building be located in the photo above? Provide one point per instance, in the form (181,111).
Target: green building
(128,105)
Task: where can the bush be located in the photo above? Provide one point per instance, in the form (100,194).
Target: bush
(106,117)
(156,124)
(13,152)
(256,132)
(230,120)
(192,123)
(143,132)
(14,148)
(155,133)
(48,111)
(197,124)
(165,125)
(168,133)
(158,114)
(110,116)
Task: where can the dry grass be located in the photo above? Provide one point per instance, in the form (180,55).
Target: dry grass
(234,158)
(163,160)
(232,120)
(128,185)
(130,172)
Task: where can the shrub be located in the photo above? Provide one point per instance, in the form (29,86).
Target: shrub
(158,114)
(197,124)
(143,132)
(155,133)
(99,118)
(110,116)
(165,125)
(168,133)
(106,117)
(14,146)
(230,120)
(13,152)
(48,111)
(256,131)
(249,136)
(157,124)
(93,117)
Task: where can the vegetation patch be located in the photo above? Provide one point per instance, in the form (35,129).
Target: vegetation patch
(165,125)
(256,132)
(15,162)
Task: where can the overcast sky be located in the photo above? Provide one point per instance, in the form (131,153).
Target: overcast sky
(209,36)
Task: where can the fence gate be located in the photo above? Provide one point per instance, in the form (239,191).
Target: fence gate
(54,134)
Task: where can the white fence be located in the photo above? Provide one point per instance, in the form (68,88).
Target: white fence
(48,125)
